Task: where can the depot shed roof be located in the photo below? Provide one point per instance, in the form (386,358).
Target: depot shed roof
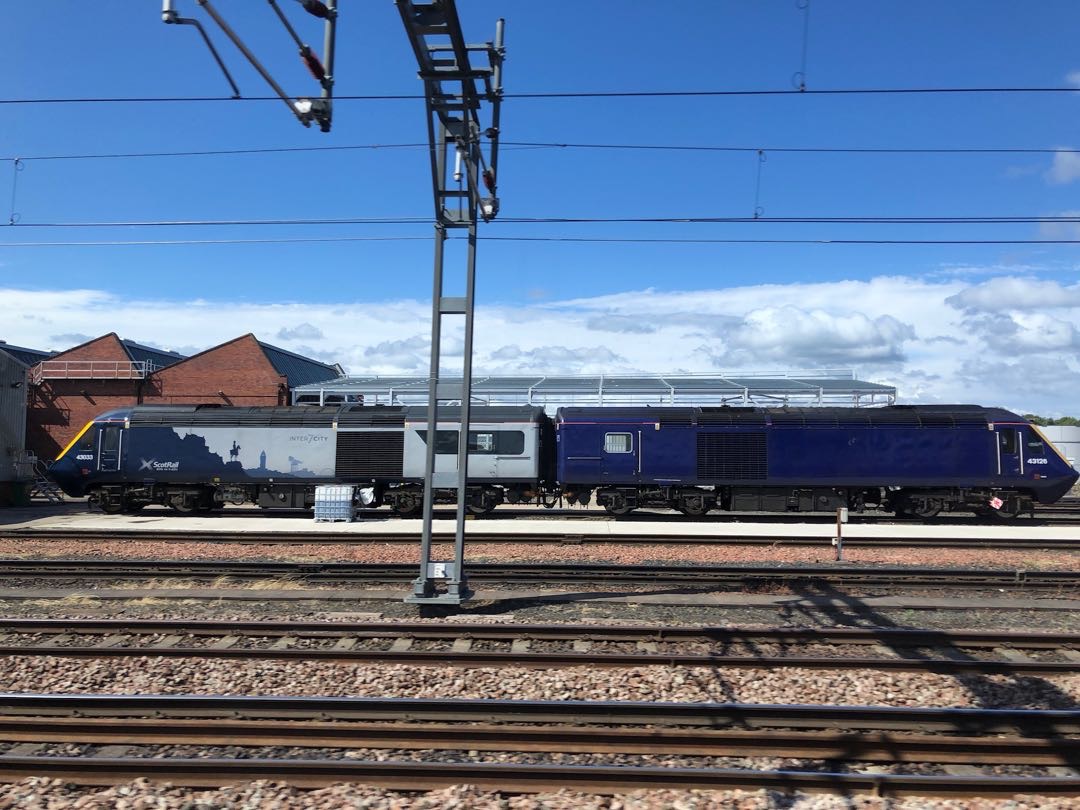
(827,387)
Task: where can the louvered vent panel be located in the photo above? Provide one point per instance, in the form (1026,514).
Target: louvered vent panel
(931,419)
(372,415)
(368,454)
(732,457)
(731,416)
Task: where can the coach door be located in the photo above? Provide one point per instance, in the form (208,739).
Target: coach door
(621,456)
(109,441)
(1010,460)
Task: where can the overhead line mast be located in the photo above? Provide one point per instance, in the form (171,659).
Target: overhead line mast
(464,166)
(464,170)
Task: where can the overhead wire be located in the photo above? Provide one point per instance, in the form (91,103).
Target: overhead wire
(885,150)
(215,152)
(269,240)
(565,239)
(680,220)
(580,94)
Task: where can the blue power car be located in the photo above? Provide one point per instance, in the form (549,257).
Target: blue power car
(915,460)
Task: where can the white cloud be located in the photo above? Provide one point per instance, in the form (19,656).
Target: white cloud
(303,331)
(1065,167)
(931,336)
(816,337)
(1073,78)
(612,322)
(1008,334)
(1010,293)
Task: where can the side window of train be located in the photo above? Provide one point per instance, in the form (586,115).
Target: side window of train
(1035,447)
(618,443)
(481,442)
(86,443)
(497,442)
(1007,437)
(445,441)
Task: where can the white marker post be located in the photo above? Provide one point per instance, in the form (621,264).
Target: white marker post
(838,541)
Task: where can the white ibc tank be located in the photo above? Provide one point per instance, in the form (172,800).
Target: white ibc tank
(334,502)
(1066,438)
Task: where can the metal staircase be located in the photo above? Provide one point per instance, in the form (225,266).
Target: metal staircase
(45,487)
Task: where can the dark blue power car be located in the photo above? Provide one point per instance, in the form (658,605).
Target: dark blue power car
(916,460)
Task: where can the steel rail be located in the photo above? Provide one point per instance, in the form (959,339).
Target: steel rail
(745,716)
(512,778)
(899,650)
(600,632)
(332,572)
(474,658)
(672,537)
(875,746)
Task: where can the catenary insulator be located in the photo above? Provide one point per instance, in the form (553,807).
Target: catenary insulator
(315,8)
(313,63)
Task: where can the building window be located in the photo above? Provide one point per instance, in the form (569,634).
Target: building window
(618,443)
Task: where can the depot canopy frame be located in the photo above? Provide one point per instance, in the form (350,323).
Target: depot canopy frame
(829,387)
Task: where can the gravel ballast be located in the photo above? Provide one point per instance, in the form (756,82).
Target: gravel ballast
(49,794)
(155,675)
(478,551)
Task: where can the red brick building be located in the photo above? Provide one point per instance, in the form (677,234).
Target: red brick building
(72,387)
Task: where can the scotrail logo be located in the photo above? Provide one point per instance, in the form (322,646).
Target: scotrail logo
(158,466)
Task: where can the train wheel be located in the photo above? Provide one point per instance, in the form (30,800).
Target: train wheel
(1010,510)
(183,504)
(694,507)
(618,509)
(406,507)
(110,508)
(929,508)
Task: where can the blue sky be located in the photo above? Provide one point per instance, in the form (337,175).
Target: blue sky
(943,322)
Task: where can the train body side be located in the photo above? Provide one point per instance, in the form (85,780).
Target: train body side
(749,458)
(198,457)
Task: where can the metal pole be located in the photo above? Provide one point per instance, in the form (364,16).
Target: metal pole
(423,585)
(496,86)
(328,49)
(458,584)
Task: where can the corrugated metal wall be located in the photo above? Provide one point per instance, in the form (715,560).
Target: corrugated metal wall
(1066,438)
(12,415)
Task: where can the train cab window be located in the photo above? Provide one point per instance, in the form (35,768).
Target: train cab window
(86,443)
(1007,438)
(618,443)
(1036,448)
(110,441)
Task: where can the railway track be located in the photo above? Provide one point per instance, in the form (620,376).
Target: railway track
(552,645)
(461,729)
(671,536)
(818,577)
